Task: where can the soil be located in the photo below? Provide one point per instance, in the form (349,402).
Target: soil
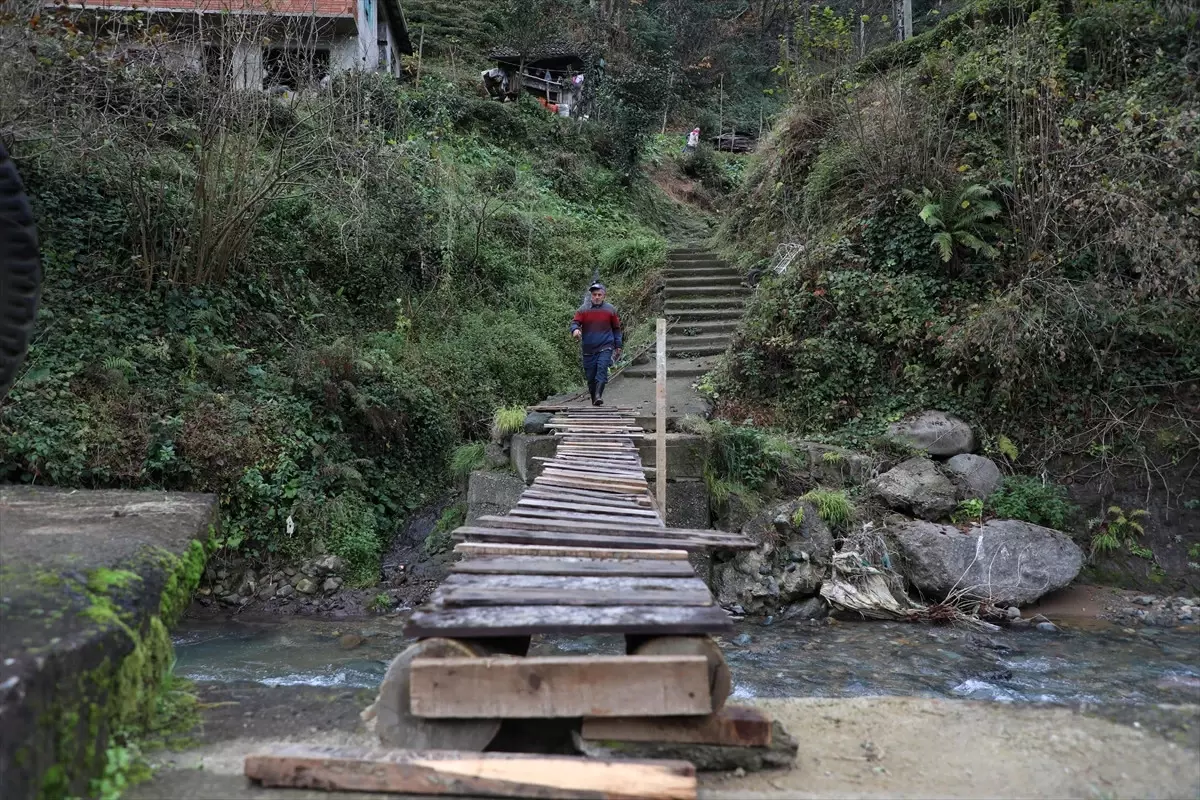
(849,748)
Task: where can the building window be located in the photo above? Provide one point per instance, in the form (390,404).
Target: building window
(294,68)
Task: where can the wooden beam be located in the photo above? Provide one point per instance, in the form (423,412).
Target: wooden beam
(431,620)
(734,726)
(360,769)
(559,686)
(481,549)
(660,416)
(581,567)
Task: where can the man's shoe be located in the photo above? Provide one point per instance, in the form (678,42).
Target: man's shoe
(592,391)
(598,397)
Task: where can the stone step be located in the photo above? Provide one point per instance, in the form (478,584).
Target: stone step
(685,315)
(680,350)
(729,281)
(732,301)
(690,252)
(725,326)
(671,271)
(685,342)
(718,292)
(697,264)
(676,368)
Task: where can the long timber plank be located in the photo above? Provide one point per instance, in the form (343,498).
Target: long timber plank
(442,772)
(592,540)
(571,566)
(604,516)
(489,549)
(559,686)
(617,527)
(632,510)
(582,583)
(479,598)
(484,622)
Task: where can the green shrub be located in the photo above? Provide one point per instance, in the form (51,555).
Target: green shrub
(347,526)
(439,539)
(1119,530)
(467,458)
(507,421)
(1029,499)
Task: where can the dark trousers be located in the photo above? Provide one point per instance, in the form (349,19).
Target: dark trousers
(595,366)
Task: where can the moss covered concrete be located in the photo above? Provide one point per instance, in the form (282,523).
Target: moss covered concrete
(90,583)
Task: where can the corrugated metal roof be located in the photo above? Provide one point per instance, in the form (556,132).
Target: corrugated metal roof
(547,50)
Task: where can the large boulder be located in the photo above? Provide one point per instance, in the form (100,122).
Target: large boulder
(977,476)
(918,487)
(1007,562)
(792,559)
(937,433)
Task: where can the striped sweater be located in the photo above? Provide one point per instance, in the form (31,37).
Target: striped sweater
(600,325)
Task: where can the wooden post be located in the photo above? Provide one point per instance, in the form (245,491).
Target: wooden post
(721,124)
(420,54)
(660,419)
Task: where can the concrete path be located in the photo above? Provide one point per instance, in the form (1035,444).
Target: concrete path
(704,301)
(80,571)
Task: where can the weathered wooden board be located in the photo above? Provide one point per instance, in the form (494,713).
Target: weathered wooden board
(615,541)
(615,527)
(541,565)
(630,509)
(477,598)
(430,620)
(607,519)
(734,726)
(559,686)
(443,772)
(487,549)
(578,583)
(580,483)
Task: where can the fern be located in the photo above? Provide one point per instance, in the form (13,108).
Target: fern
(1007,448)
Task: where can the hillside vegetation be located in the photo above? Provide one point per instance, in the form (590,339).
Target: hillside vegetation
(999,217)
(301,305)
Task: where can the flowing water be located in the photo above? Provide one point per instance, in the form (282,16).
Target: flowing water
(1097,664)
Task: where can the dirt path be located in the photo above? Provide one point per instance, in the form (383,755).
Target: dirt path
(849,748)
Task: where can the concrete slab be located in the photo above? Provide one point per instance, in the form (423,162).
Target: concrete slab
(89,582)
(638,395)
(492,492)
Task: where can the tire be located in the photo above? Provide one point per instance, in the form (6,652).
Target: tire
(20,272)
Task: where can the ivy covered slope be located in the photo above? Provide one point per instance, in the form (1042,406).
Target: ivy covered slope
(301,305)
(999,217)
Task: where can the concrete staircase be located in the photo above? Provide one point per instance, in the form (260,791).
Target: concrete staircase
(704,297)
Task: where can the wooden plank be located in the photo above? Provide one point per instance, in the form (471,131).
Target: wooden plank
(618,527)
(531,620)
(631,510)
(465,597)
(559,686)
(607,517)
(660,416)
(576,483)
(583,583)
(732,726)
(587,540)
(591,498)
(445,772)
(650,541)
(540,565)
(488,549)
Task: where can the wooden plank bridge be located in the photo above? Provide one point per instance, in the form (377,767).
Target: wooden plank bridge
(585,551)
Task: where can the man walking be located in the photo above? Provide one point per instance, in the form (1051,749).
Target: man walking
(598,329)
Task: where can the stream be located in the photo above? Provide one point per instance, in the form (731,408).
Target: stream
(1099,664)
